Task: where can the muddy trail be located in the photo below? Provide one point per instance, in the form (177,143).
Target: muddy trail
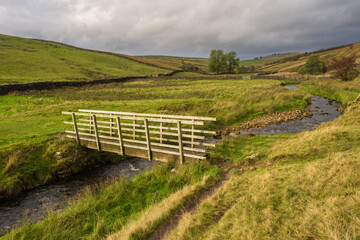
(34,205)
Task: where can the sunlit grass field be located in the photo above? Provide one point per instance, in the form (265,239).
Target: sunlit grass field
(26,60)
(28,118)
(38,113)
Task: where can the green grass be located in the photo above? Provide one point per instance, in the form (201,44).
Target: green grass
(97,213)
(307,186)
(31,116)
(33,162)
(26,60)
(231,101)
(237,151)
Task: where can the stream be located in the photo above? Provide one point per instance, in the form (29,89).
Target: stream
(33,205)
(323,110)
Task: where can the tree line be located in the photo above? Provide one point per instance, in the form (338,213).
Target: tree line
(344,68)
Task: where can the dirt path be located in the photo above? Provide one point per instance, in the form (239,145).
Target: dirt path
(166,227)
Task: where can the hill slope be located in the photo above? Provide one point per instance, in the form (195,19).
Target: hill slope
(294,63)
(27,60)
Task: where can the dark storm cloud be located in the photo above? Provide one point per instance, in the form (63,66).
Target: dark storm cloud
(188,28)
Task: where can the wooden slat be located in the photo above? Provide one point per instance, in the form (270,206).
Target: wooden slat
(193,149)
(151,115)
(157,127)
(140,130)
(200,123)
(142,148)
(154,138)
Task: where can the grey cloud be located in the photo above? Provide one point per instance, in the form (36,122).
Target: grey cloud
(186,28)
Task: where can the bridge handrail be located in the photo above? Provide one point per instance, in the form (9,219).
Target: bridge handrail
(150,115)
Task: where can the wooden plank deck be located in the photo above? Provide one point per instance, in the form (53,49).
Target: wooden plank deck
(161,154)
(155,137)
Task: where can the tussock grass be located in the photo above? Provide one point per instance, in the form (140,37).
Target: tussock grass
(311,189)
(97,213)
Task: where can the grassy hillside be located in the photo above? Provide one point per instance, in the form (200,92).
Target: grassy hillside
(325,55)
(26,60)
(267,60)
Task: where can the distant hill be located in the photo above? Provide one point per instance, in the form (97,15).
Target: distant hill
(177,63)
(27,60)
(293,63)
(268,60)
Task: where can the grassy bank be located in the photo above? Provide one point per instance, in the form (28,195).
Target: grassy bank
(306,187)
(336,89)
(26,60)
(27,164)
(95,214)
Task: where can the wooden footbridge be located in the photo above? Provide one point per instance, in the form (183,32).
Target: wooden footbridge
(152,136)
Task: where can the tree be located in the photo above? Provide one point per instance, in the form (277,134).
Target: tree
(231,62)
(313,65)
(220,62)
(345,68)
(216,60)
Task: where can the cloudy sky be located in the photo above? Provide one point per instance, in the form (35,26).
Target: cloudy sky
(186,27)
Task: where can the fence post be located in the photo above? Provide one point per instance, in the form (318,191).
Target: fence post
(192,134)
(75,128)
(181,151)
(161,130)
(134,128)
(91,123)
(96,133)
(120,135)
(111,123)
(147,138)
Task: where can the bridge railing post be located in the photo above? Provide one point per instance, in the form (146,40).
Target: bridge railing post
(91,123)
(161,130)
(147,135)
(120,135)
(181,150)
(75,128)
(134,128)
(96,133)
(111,124)
(192,134)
